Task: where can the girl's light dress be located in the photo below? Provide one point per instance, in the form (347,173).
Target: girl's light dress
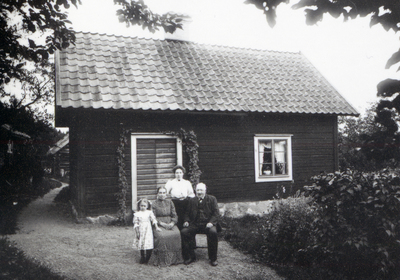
(143,220)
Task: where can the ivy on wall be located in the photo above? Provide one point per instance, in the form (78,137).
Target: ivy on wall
(123,185)
(189,141)
(190,145)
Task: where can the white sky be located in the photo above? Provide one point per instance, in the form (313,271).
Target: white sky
(351,55)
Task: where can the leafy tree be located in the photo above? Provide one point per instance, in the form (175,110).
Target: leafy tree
(20,24)
(138,13)
(32,30)
(360,143)
(21,171)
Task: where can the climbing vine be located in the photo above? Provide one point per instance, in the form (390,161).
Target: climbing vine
(190,145)
(123,185)
(189,141)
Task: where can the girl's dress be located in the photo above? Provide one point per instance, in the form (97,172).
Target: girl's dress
(143,220)
(167,243)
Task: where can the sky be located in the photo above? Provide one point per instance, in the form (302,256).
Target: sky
(350,55)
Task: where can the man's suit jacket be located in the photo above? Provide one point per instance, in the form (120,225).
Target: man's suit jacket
(210,208)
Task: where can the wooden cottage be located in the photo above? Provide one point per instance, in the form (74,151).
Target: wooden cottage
(58,158)
(11,141)
(263,119)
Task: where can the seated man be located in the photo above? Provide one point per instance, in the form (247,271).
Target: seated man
(201,216)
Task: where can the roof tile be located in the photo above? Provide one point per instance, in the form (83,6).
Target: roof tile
(103,71)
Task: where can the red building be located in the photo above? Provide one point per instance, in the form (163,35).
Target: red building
(262,118)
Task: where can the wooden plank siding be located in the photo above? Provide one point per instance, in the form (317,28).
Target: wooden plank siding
(155,160)
(226,152)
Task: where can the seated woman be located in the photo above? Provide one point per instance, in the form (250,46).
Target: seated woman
(167,242)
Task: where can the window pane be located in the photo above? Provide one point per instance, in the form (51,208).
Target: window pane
(265,157)
(280,150)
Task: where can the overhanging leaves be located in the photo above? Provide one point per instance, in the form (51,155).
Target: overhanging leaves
(388,87)
(136,12)
(395,58)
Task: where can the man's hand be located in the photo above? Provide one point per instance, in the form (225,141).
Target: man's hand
(209,225)
(185,224)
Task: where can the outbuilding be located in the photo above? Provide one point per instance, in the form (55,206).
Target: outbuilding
(57,160)
(263,119)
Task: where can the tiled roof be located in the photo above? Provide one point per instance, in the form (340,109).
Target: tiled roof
(59,145)
(15,132)
(103,71)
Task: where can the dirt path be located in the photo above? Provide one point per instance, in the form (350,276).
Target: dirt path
(90,251)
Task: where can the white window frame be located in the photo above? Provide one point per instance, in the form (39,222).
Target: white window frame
(277,178)
(134,137)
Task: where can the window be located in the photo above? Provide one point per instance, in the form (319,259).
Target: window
(273,158)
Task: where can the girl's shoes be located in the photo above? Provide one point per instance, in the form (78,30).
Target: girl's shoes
(145,256)
(142,257)
(148,255)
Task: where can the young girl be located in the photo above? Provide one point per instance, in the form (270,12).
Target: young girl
(142,221)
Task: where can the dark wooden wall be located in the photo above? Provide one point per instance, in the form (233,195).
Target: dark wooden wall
(226,151)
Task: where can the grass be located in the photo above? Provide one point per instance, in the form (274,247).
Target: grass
(11,205)
(13,263)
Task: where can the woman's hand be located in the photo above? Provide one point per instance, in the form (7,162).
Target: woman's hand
(170,225)
(158,229)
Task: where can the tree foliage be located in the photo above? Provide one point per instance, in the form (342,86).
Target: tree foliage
(138,13)
(32,30)
(20,24)
(384,12)
(357,230)
(21,170)
(363,145)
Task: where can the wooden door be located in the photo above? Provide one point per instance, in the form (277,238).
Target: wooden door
(153,157)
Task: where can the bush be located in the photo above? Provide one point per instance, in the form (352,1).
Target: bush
(277,237)
(358,226)
(64,196)
(9,210)
(287,231)
(23,178)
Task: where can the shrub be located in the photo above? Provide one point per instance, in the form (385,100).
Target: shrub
(64,196)
(286,231)
(358,227)
(276,237)
(243,233)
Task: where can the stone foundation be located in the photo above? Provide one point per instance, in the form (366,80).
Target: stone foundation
(239,209)
(230,210)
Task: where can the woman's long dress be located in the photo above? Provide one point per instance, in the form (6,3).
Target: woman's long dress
(167,243)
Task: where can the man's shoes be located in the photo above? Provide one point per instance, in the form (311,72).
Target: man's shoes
(214,263)
(189,261)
